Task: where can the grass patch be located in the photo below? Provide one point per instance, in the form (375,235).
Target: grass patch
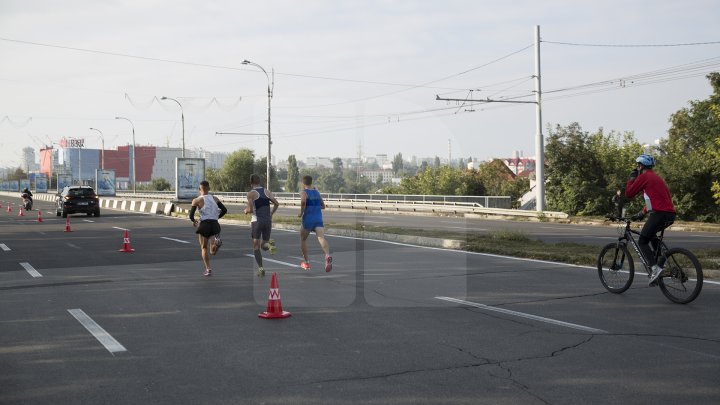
(522,246)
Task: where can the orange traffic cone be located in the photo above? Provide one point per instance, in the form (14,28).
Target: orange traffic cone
(274,304)
(9,208)
(20,214)
(67,225)
(40,216)
(126,244)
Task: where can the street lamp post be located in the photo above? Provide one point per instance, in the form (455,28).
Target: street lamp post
(102,152)
(182,116)
(133,150)
(271,85)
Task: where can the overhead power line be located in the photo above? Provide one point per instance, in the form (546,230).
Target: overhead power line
(633,45)
(206,65)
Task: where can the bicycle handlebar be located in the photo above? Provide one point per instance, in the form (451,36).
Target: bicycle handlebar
(618,219)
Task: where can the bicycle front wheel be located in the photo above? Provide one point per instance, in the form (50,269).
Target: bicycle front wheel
(616,268)
(682,277)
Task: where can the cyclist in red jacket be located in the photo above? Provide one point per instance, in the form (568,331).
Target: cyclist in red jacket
(658,203)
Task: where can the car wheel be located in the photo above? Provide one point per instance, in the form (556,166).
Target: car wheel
(57,213)
(97,213)
(88,213)
(64,214)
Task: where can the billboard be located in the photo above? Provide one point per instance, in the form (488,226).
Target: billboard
(41,183)
(189,172)
(13,185)
(25,184)
(105,182)
(63,180)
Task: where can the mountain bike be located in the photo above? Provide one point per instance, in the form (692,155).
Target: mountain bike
(682,277)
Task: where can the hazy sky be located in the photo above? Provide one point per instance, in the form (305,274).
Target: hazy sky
(348,74)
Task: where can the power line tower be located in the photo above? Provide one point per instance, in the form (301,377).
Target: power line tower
(539,141)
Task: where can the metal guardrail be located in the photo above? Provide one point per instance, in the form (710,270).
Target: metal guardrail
(447,200)
(290,199)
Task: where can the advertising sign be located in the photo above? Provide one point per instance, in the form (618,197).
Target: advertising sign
(13,185)
(189,172)
(105,182)
(63,180)
(41,183)
(24,184)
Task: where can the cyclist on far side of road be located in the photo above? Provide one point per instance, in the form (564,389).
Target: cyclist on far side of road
(658,203)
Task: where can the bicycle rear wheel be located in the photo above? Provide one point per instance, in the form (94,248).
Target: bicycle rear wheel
(682,278)
(616,268)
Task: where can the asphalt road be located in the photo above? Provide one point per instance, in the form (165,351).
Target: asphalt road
(392,323)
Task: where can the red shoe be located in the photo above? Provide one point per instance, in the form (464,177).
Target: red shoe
(305,265)
(328,263)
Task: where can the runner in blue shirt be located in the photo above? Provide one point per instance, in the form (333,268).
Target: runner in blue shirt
(311,206)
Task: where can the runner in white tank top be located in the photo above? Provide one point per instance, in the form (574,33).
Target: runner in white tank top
(211,209)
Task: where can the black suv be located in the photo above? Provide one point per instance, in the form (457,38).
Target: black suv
(77,199)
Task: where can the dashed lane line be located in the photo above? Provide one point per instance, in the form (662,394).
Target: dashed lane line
(109,342)
(276,261)
(174,240)
(524,315)
(4,247)
(30,269)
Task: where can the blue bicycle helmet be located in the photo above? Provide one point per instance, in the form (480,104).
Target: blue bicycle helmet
(646,160)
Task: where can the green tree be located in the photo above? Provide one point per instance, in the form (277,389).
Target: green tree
(493,175)
(434,181)
(332,180)
(160,184)
(260,168)
(573,185)
(293,179)
(213,177)
(235,173)
(584,170)
(355,184)
(397,163)
(689,161)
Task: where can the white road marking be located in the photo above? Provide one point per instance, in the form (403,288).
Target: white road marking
(371,222)
(564,228)
(30,269)
(276,261)
(523,315)
(174,240)
(73,246)
(88,220)
(112,345)
(122,229)
(4,247)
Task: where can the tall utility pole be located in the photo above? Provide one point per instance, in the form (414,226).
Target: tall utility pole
(182,117)
(133,150)
(539,142)
(449,153)
(271,86)
(102,154)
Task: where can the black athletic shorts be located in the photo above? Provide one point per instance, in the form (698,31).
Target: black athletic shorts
(261,230)
(208,228)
